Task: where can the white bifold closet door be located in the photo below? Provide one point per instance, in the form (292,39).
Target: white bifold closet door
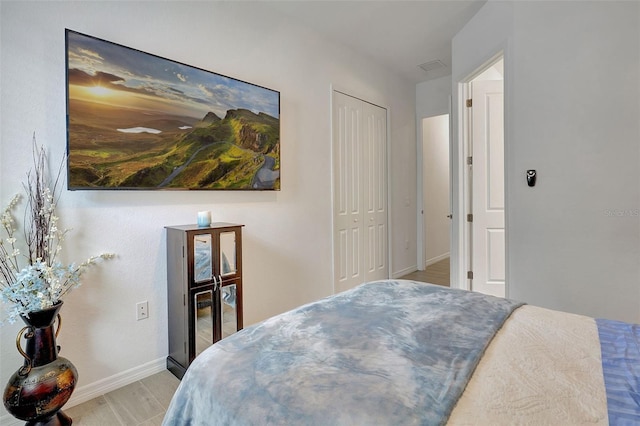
(360,238)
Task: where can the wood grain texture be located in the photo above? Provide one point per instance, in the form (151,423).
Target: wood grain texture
(437,273)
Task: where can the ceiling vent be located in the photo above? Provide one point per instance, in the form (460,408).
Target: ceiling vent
(432,65)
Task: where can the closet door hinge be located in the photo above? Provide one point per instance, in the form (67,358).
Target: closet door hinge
(470,275)
(470,217)
(469,103)
(469,161)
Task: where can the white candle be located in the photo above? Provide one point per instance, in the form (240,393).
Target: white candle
(204,219)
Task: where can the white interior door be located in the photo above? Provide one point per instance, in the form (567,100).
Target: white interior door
(360,192)
(374,153)
(488,232)
(347,210)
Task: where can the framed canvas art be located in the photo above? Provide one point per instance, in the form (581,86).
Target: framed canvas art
(140,121)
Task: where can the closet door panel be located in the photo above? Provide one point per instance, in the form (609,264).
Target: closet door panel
(348,196)
(360,192)
(375,184)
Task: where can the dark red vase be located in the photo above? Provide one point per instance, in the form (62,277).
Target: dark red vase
(39,389)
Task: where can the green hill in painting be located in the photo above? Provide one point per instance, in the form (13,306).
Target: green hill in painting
(239,151)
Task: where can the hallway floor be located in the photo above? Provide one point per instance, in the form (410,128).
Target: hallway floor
(437,273)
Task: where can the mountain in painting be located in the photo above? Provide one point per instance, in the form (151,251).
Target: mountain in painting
(111,148)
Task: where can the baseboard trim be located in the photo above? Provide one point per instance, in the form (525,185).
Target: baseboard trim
(436,259)
(404,272)
(93,390)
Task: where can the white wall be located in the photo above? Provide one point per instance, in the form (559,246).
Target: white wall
(435,161)
(287,237)
(432,97)
(571,106)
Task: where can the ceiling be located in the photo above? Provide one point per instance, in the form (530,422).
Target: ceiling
(399,34)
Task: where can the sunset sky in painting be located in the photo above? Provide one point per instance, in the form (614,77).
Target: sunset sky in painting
(100,71)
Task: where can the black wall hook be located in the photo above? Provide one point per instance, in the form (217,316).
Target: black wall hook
(531,177)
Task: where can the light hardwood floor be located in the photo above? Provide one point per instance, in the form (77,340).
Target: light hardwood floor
(437,273)
(142,403)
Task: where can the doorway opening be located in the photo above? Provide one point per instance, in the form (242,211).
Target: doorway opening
(484,180)
(436,199)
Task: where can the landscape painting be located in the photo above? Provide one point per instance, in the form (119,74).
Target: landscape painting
(139,121)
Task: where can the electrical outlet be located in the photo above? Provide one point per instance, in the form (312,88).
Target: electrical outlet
(142,310)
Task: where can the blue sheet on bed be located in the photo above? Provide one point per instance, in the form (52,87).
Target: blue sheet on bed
(388,352)
(620,346)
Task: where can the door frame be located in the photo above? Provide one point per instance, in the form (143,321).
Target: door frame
(336,88)
(461,235)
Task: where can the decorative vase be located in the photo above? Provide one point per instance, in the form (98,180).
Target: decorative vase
(39,389)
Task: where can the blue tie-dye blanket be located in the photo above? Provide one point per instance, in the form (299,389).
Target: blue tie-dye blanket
(388,353)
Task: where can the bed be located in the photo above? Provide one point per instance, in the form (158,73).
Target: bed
(399,352)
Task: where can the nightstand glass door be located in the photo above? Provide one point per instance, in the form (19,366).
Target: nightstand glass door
(203,303)
(228,263)
(228,310)
(202,258)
